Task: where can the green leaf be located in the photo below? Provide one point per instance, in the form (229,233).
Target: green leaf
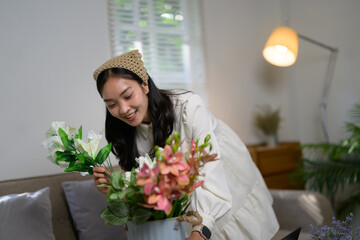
(348,205)
(353,146)
(179,205)
(88,160)
(207,138)
(81,158)
(90,171)
(185,207)
(133,178)
(204,146)
(65,140)
(65,156)
(168,140)
(110,191)
(117,180)
(140,216)
(79,135)
(111,218)
(157,154)
(72,164)
(78,168)
(127,191)
(119,208)
(176,135)
(159,215)
(329,175)
(136,197)
(103,154)
(171,214)
(114,196)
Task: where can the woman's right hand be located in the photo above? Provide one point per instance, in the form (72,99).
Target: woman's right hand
(100,178)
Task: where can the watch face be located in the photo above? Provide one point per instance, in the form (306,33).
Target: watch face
(206,232)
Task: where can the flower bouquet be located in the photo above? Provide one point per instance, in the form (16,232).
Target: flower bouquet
(148,198)
(67,149)
(158,189)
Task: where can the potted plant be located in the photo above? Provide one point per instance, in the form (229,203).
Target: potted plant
(330,167)
(268,121)
(151,200)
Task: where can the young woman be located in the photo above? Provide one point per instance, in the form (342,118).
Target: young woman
(234,201)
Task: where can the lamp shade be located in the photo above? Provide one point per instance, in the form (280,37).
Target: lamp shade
(281,48)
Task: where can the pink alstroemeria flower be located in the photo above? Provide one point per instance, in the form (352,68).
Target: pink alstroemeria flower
(193,163)
(195,185)
(183,180)
(165,185)
(172,186)
(147,177)
(173,175)
(173,162)
(160,201)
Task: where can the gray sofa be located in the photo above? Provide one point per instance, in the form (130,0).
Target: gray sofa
(294,208)
(300,208)
(62,223)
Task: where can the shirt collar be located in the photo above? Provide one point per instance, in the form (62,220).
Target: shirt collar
(144,129)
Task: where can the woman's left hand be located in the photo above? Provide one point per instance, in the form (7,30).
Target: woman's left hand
(195,235)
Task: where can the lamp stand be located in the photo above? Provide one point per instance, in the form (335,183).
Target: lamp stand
(327,82)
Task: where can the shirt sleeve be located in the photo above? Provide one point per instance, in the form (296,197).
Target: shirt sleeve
(213,199)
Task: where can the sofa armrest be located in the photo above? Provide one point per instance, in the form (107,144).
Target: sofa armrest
(300,208)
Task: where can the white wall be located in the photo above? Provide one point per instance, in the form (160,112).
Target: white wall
(239,78)
(49,49)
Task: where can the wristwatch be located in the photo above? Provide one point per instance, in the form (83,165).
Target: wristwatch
(203,230)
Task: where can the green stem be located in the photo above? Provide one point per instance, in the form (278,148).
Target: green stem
(107,175)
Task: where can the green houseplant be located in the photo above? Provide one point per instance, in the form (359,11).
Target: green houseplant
(268,121)
(330,168)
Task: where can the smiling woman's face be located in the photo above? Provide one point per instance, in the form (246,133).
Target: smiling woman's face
(127,100)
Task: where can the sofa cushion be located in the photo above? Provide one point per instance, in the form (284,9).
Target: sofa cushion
(85,204)
(26,216)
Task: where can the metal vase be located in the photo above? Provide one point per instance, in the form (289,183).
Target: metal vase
(157,230)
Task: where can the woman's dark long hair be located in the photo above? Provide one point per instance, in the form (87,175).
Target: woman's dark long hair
(121,134)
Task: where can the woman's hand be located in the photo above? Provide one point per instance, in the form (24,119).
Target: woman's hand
(100,178)
(195,235)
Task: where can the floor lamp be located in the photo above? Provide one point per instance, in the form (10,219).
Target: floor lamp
(281,50)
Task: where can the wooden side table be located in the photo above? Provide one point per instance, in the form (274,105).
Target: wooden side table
(276,164)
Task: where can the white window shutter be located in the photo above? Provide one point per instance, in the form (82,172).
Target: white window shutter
(167,33)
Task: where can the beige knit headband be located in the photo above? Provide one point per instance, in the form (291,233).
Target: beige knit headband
(130,61)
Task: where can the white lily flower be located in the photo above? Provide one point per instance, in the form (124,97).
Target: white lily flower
(91,146)
(54,130)
(52,157)
(141,160)
(53,144)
